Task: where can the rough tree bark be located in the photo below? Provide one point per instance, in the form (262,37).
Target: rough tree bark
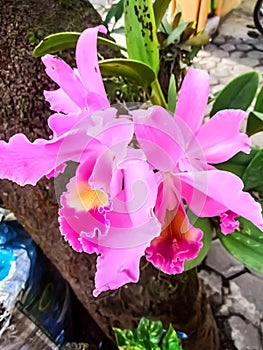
(180,299)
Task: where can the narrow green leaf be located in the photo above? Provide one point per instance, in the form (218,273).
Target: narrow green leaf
(255,118)
(157,97)
(254,123)
(177,19)
(174,37)
(171,340)
(206,227)
(66,40)
(166,26)
(246,244)
(253,176)
(115,11)
(172,94)
(131,69)
(238,94)
(56,42)
(189,31)
(140,29)
(159,8)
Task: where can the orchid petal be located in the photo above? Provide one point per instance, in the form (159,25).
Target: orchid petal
(114,133)
(61,123)
(167,198)
(178,242)
(214,192)
(159,136)
(71,236)
(60,72)
(193,97)
(116,267)
(24,162)
(220,138)
(87,61)
(86,225)
(228,223)
(60,101)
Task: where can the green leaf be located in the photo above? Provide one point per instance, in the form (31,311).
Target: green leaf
(140,29)
(177,19)
(166,26)
(238,164)
(171,340)
(259,101)
(150,330)
(131,69)
(199,39)
(123,336)
(253,176)
(174,37)
(246,244)
(206,227)
(66,40)
(172,94)
(238,94)
(115,11)
(255,118)
(254,123)
(157,97)
(159,8)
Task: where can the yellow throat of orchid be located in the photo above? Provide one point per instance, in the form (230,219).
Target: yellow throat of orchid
(84,198)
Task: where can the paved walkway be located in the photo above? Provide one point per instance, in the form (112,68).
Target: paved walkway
(233,51)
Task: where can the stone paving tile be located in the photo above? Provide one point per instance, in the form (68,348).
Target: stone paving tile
(228,47)
(220,53)
(250,62)
(244,335)
(236,54)
(255,54)
(221,72)
(259,47)
(219,40)
(240,69)
(252,289)
(244,47)
(221,261)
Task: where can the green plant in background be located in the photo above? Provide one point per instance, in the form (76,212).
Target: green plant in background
(115,12)
(150,40)
(35,36)
(149,335)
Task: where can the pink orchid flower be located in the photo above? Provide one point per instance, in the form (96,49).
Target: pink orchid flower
(182,150)
(108,210)
(81,92)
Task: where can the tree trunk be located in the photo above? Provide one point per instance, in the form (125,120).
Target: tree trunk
(177,299)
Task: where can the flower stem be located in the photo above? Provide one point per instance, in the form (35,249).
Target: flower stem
(157,97)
